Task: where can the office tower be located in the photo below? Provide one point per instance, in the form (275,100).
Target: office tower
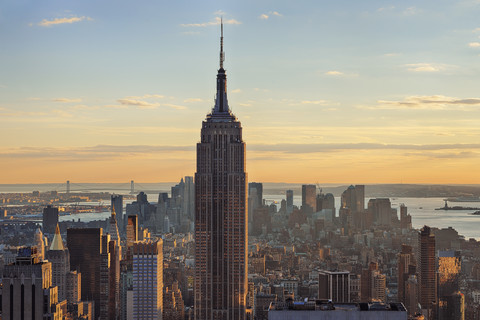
(220,213)
(427,271)
(148,279)
(289,195)
(59,256)
(50,219)
(189,201)
(126,273)
(73,287)
(257,189)
(405,261)
(109,279)
(173,306)
(405,218)
(28,292)
(117,206)
(381,210)
(39,244)
(309,198)
(378,286)
(373,284)
(132,230)
(329,202)
(360,197)
(255,201)
(85,246)
(449,267)
(334,286)
(349,199)
(411,295)
(143,209)
(456,304)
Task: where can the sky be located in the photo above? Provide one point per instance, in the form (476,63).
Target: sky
(326,91)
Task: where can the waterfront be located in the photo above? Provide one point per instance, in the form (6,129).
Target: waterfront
(422,209)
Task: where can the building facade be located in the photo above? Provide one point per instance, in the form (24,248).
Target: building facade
(85,246)
(220,213)
(427,275)
(148,279)
(334,286)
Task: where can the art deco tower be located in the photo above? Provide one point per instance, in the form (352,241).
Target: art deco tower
(220,212)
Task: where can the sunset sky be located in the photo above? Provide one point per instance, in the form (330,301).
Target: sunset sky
(327,91)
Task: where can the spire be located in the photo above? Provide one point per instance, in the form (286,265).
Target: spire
(222,55)
(57,243)
(221,103)
(112,226)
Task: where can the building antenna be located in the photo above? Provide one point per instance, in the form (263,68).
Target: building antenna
(222,55)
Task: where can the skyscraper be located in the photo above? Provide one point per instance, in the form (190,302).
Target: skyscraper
(50,219)
(60,258)
(405,263)
(220,212)
(148,279)
(28,292)
(289,195)
(449,267)
(427,270)
(309,198)
(85,246)
(117,206)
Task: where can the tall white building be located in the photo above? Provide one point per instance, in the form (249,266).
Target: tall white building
(148,279)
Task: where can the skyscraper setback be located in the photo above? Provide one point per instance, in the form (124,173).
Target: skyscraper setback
(220,212)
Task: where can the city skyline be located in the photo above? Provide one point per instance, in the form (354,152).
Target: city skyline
(327,92)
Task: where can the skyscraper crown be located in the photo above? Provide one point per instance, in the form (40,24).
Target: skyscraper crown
(221,111)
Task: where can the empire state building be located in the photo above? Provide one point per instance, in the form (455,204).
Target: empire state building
(220,212)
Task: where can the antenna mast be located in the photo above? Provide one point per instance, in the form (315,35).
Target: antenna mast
(222,55)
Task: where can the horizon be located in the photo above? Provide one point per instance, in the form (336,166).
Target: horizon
(372,92)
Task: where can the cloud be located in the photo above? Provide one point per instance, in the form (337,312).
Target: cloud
(391,54)
(115,106)
(193,100)
(382,9)
(425,67)
(265,16)
(219,13)
(443,155)
(139,103)
(174,106)
(436,102)
(147,96)
(317,102)
(476,30)
(67,100)
(48,23)
(216,21)
(410,11)
(105,152)
(322,147)
(236,91)
(474,44)
(334,73)
(94,153)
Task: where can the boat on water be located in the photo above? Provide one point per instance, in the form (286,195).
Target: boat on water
(476,213)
